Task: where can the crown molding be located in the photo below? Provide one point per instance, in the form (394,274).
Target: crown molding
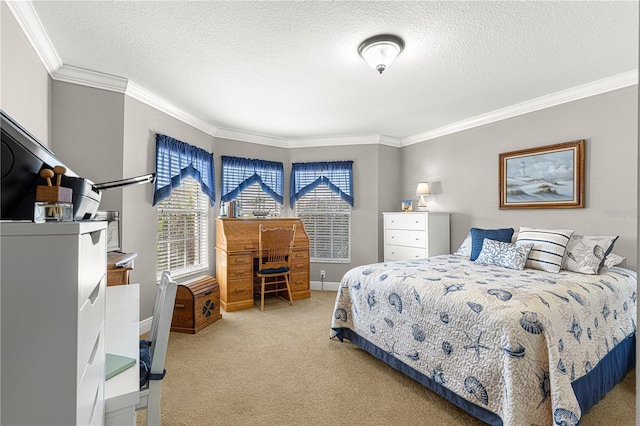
(608,84)
(32,27)
(147,97)
(89,78)
(344,140)
(251,138)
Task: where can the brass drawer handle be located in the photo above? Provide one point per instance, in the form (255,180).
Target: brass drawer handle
(239,290)
(180,306)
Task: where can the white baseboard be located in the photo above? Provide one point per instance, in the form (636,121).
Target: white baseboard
(326,286)
(145,325)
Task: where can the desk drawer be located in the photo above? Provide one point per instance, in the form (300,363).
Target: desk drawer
(240,272)
(239,261)
(239,290)
(300,256)
(299,282)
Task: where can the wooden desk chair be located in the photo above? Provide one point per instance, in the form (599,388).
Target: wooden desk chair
(159,340)
(275,246)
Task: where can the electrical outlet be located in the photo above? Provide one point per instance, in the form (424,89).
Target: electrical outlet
(322,273)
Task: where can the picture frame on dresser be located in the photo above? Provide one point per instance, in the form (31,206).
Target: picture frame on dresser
(546,177)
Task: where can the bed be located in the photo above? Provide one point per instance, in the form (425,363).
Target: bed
(508,346)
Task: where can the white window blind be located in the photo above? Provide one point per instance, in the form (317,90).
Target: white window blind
(327,220)
(254,199)
(182,246)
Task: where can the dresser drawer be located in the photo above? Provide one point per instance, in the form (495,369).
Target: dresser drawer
(405,221)
(392,252)
(90,322)
(402,237)
(92,264)
(90,396)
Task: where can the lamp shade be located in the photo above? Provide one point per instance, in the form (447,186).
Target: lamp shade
(423,189)
(379,51)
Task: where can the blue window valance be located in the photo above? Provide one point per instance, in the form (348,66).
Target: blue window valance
(337,175)
(240,173)
(176,160)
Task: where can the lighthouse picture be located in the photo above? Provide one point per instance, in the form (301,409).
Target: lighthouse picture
(544,177)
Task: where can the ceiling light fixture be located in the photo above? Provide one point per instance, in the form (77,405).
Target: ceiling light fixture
(379,51)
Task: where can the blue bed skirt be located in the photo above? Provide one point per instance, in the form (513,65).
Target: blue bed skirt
(589,389)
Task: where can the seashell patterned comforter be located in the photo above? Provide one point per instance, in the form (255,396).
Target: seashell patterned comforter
(508,341)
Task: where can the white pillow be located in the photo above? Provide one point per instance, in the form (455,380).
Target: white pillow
(613,259)
(548,249)
(586,253)
(465,247)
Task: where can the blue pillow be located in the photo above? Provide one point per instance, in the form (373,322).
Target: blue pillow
(478,235)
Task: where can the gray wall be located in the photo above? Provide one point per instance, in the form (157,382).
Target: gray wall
(464,167)
(24,83)
(86,134)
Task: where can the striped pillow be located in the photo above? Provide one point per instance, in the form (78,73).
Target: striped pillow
(548,249)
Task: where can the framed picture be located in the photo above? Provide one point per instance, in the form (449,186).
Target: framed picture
(407,206)
(548,177)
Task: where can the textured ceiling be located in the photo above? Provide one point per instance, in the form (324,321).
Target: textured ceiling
(291,69)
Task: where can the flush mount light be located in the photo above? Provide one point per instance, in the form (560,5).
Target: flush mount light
(379,51)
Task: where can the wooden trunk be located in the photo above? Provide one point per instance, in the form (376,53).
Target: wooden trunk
(197,305)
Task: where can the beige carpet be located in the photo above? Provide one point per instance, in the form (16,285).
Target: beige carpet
(279,367)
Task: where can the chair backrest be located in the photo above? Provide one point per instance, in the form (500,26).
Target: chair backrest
(161,322)
(275,246)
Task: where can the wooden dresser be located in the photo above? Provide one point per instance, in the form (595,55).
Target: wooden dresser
(237,251)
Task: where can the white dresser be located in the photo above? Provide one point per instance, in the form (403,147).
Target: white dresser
(52,316)
(415,235)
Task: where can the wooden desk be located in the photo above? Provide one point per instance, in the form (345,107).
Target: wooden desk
(122,334)
(118,267)
(237,250)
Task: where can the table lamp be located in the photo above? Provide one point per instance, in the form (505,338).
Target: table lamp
(422,190)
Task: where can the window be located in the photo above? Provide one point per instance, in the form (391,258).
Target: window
(258,185)
(182,230)
(253,199)
(327,220)
(322,197)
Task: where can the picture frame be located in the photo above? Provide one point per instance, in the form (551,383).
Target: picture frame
(547,177)
(407,206)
